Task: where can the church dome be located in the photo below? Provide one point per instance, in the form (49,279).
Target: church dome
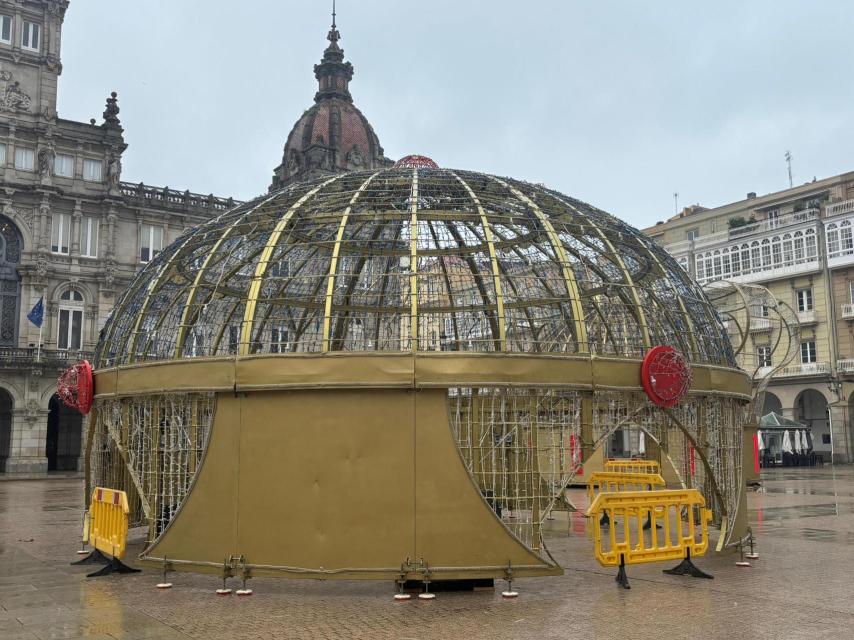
(333,136)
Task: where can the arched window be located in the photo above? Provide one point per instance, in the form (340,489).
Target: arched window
(70,331)
(726,269)
(701,267)
(846,242)
(787,249)
(717,263)
(811,245)
(766,253)
(832,240)
(776,251)
(799,246)
(745,258)
(11,246)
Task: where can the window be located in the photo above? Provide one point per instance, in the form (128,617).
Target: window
(92,170)
(60,233)
(763,356)
(6,29)
(773,218)
(811,245)
(89,237)
(851,291)
(278,340)
(2,154)
(808,352)
(31,36)
(701,268)
(25,159)
(766,253)
(70,320)
(692,234)
(150,242)
(846,241)
(804,299)
(63,165)
(761,311)
(832,240)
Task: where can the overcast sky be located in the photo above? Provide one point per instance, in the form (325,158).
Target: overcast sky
(619,103)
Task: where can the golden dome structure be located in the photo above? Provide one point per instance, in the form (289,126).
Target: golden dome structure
(367,375)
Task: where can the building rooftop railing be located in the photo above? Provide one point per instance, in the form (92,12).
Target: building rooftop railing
(838,208)
(771,224)
(166,198)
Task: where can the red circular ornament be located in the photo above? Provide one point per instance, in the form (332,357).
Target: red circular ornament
(416,161)
(666,376)
(76,387)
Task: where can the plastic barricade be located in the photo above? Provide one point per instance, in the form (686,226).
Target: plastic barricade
(613,481)
(627,465)
(683,533)
(107,531)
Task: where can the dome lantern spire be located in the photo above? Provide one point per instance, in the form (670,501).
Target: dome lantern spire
(333,74)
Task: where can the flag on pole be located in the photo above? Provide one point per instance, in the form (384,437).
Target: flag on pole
(36,314)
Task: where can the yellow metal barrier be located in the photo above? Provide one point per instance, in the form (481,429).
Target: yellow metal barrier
(627,465)
(108,526)
(684,530)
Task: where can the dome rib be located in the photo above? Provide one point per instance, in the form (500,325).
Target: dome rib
(214,250)
(568,277)
(493,261)
(261,267)
(333,263)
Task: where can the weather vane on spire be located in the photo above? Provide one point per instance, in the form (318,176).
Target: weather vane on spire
(333,14)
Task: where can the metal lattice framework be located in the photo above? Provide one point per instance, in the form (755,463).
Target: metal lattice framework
(751,313)
(431,263)
(412,259)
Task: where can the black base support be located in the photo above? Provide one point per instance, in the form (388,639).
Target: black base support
(622,578)
(437,586)
(648,525)
(94,557)
(687,568)
(113,566)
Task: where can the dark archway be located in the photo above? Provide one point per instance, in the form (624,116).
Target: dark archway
(64,437)
(6,406)
(811,410)
(11,246)
(772,403)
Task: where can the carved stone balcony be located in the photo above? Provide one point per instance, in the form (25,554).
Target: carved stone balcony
(807,317)
(15,358)
(845,367)
(804,370)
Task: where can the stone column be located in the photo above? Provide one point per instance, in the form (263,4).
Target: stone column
(29,439)
(76,219)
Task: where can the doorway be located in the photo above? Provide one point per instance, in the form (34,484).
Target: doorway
(6,405)
(64,437)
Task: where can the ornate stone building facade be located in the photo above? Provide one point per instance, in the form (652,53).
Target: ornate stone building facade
(73,233)
(799,244)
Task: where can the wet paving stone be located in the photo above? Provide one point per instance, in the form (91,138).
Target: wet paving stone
(799,588)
